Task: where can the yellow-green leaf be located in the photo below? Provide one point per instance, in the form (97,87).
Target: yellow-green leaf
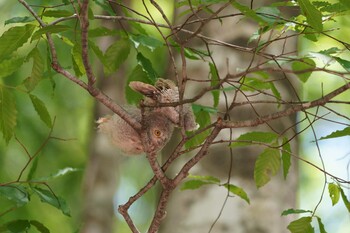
(267,165)
(9,66)
(237,191)
(41,109)
(301,225)
(303,68)
(8,113)
(115,55)
(37,70)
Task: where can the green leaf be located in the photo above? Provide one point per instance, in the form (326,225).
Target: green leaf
(269,14)
(39,226)
(203,119)
(8,113)
(254,84)
(50,29)
(115,55)
(57,13)
(344,63)
(145,40)
(102,31)
(266,166)
(250,138)
(24,19)
(18,226)
(305,64)
(337,134)
(334,193)
(33,168)
(14,38)
(137,74)
(8,67)
(77,59)
(313,16)
(196,182)
(214,81)
(320,225)
(302,225)
(41,109)
(59,173)
(286,158)
(248,12)
(146,65)
(295,211)
(198,108)
(237,191)
(48,197)
(37,70)
(15,193)
(345,199)
(97,52)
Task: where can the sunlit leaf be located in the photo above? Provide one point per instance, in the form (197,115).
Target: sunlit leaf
(50,29)
(41,109)
(196,182)
(334,193)
(254,137)
(9,66)
(14,38)
(303,68)
(24,19)
(16,193)
(211,179)
(48,197)
(145,40)
(338,133)
(301,225)
(8,113)
(295,211)
(254,84)
(115,55)
(146,65)
(286,158)
(237,191)
(313,16)
(37,70)
(59,173)
(267,165)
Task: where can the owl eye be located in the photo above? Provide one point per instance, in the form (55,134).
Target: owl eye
(157,133)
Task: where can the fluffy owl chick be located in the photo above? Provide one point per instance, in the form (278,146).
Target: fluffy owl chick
(158,130)
(166,91)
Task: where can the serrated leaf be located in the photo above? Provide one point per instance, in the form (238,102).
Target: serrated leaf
(48,197)
(203,119)
(14,38)
(267,165)
(237,191)
(214,80)
(37,70)
(39,226)
(115,55)
(50,29)
(305,64)
(295,211)
(137,74)
(320,225)
(15,193)
(145,40)
(8,113)
(18,226)
(97,52)
(57,13)
(344,63)
(59,173)
(337,134)
(24,19)
(301,225)
(146,65)
(257,137)
(77,59)
(41,109)
(286,158)
(334,193)
(9,66)
(345,199)
(313,16)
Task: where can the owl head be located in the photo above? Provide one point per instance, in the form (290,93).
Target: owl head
(159,130)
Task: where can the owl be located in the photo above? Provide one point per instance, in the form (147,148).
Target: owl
(166,91)
(158,130)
